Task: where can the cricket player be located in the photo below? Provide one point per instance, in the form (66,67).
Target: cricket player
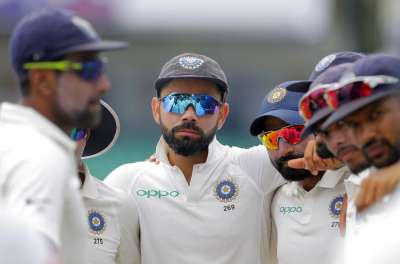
(112,217)
(305,211)
(377,76)
(313,113)
(205,202)
(55,55)
(367,100)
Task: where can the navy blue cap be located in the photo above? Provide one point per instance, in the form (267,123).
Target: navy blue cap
(331,75)
(333,60)
(281,102)
(373,65)
(48,34)
(192,65)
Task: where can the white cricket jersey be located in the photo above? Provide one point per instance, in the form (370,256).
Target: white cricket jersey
(352,186)
(307,223)
(377,239)
(113,224)
(38,179)
(222,217)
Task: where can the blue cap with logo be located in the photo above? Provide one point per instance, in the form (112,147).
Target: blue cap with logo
(48,34)
(330,76)
(333,60)
(281,102)
(372,65)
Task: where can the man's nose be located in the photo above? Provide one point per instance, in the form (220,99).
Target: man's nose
(189,114)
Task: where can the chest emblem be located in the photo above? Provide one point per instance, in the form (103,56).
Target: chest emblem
(335,206)
(226,190)
(97,222)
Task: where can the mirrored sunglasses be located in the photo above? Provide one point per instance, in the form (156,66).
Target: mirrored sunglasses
(355,88)
(89,70)
(178,103)
(77,134)
(291,134)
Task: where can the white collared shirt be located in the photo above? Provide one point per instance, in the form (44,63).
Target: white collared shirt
(38,179)
(306,224)
(222,217)
(113,224)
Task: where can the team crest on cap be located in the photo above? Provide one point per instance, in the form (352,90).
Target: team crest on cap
(276,95)
(335,206)
(325,62)
(190,62)
(97,222)
(226,190)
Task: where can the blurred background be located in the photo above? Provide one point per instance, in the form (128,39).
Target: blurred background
(259,44)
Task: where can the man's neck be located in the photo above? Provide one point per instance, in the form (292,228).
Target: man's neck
(309,183)
(186,163)
(44,110)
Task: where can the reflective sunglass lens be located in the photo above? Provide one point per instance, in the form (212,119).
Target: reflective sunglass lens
(92,70)
(178,103)
(78,134)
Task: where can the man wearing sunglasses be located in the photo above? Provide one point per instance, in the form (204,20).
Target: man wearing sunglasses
(112,217)
(54,54)
(313,112)
(204,202)
(367,101)
(306,210)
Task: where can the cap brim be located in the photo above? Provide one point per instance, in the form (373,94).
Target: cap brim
(162,81)
(104,136)
(353,106)
(309,126)
(103,45)
(289,116)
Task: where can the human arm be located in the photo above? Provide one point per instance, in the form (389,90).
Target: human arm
(377,185)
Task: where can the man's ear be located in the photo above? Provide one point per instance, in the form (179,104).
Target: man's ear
(155,109)
(42,82)
(223,114)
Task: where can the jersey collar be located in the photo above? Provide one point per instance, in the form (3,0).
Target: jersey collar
(89,187)
(332,177)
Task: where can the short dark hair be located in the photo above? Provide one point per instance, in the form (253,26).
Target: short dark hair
(24,85)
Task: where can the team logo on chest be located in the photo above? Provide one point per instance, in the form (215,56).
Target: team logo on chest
(335,206)
(226,190)
(97,222)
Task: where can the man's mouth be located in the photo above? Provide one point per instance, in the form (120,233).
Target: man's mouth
(344,153)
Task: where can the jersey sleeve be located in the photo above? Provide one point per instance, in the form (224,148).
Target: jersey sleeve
(256,162)
(35,189)
(129,248)
(123,176)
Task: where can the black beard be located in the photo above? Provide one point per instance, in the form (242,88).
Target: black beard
(187,146)
(289,173)
(392,157)
(87,119)
(82,119)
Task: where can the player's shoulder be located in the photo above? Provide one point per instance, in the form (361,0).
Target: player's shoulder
(30,141)
(125,175)
(110,193)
